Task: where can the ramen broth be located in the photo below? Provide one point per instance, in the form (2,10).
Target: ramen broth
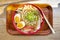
(29,17)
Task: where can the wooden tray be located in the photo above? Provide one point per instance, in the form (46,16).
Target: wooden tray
(47,9)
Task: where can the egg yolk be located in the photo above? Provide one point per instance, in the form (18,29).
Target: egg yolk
(20,25)
(17,19)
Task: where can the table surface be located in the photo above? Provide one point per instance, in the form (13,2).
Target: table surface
(56,24)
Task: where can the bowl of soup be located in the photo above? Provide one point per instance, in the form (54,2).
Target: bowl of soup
(27,19)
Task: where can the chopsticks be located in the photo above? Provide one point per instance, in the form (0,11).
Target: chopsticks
(21,1)
(49,24)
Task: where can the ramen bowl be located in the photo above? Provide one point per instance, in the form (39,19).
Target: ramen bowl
(27,19)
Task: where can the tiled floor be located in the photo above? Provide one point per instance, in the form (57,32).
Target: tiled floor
(56,23)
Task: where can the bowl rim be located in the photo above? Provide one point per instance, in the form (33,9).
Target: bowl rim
(21,32)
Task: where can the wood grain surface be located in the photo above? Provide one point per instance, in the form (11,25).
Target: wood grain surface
(56,24)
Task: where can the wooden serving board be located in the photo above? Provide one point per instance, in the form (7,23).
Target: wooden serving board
(45,30)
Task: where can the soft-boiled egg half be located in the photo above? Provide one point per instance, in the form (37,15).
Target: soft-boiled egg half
(17,18)
(21,24)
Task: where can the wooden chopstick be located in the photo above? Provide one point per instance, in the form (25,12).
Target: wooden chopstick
(49,24)
(17,2)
